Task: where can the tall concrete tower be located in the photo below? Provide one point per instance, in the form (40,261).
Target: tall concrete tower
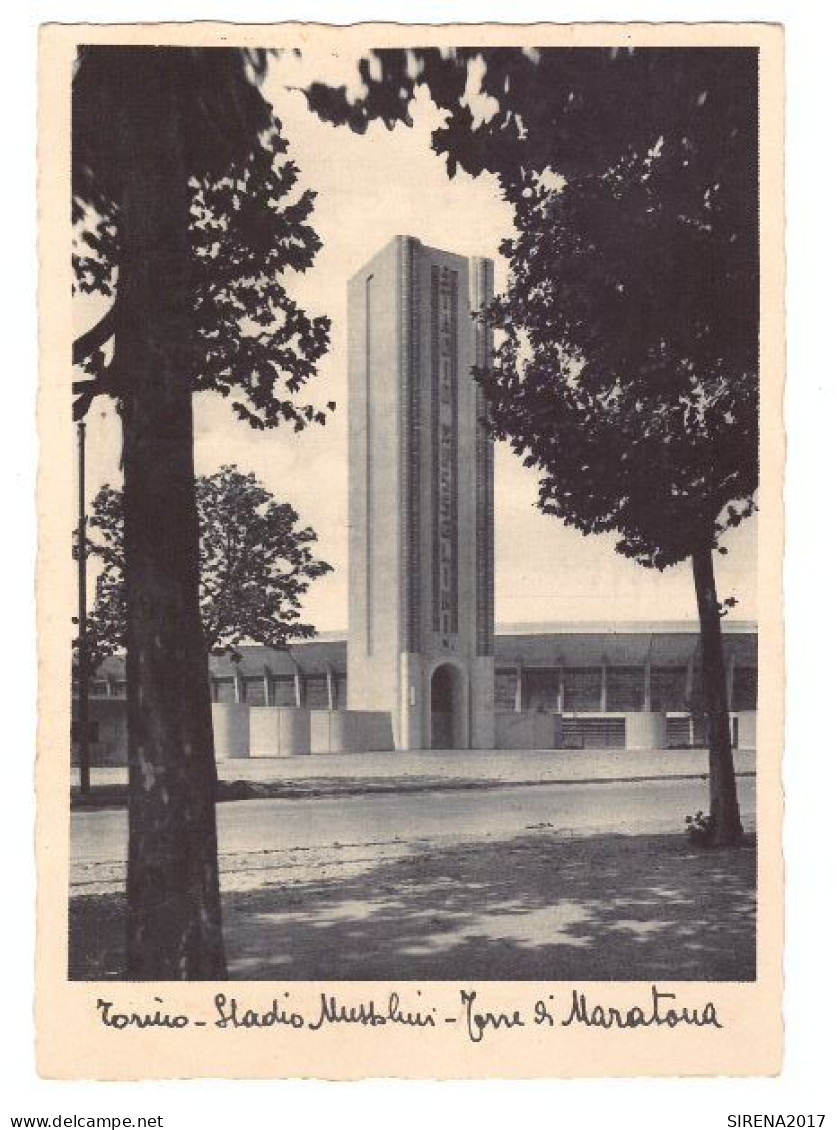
(421,541)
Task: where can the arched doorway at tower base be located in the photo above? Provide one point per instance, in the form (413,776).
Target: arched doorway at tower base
(448,729)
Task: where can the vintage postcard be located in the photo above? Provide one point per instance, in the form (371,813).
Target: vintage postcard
(409,594)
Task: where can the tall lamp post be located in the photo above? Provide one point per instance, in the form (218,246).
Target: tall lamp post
(83,717)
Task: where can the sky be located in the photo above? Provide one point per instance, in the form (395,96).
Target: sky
(369,189)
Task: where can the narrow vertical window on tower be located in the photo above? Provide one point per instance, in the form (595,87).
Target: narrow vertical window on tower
(481,292)
(445,397)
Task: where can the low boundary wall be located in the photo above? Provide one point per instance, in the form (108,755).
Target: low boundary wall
(231,730)
(529,729)
(279,731)
(351,731)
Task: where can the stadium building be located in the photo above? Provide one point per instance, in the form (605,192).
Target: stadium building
(567,686)
(422,665)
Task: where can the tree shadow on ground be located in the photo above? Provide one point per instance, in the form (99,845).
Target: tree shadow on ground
(534,907)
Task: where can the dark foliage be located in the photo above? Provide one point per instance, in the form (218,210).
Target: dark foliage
(249,227)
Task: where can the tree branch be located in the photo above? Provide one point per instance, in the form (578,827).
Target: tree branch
(95,337)
(85,392)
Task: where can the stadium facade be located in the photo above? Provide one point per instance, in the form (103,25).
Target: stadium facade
(556,686)
(422,665)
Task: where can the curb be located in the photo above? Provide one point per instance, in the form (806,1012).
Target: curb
(115,796)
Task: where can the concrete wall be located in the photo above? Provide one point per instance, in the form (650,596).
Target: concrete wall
(747,729)
(530,729)
(408,724)
(645,730)
(483,725)
(279,731)
(111,747)
(351,731)
(231,729)
(375,510)
(257,731)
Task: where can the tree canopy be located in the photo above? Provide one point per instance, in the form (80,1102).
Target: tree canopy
(627,369)
(248,227)
(513,111)
(257,563)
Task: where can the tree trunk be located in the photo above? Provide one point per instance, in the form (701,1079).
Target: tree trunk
(174,912)
(723,809)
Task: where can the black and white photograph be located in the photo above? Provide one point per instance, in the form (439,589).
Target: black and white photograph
(417,525)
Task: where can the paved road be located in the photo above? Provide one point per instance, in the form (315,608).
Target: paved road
(286,824)
(481,884)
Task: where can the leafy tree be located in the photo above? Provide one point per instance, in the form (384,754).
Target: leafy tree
(182,206)
(627,373)
(256,565)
